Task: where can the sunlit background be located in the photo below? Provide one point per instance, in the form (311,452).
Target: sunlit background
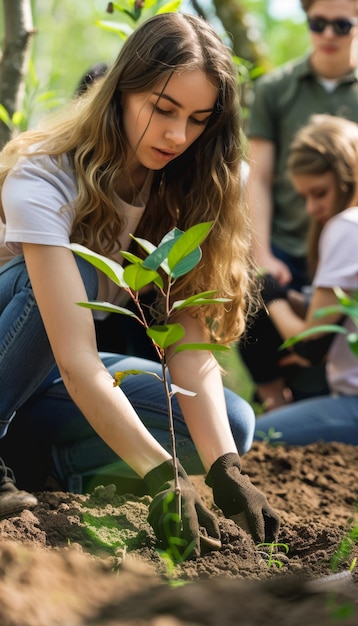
(281,9)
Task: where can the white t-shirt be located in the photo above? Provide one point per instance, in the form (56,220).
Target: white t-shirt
(36,196)
(5,254)
(338,267)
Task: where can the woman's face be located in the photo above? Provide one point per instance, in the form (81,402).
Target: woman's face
(162,123)
(319,193)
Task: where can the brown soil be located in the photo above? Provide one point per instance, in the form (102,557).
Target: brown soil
(91,559)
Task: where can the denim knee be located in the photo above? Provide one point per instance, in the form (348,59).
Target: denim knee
(242,420)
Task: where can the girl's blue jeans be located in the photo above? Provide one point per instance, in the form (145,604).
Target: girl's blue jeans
(325,418)
(30,384)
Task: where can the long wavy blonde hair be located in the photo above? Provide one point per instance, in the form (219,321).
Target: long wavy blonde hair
(203,184)
(326,144)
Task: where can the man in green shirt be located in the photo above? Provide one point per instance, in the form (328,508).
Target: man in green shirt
(325,81)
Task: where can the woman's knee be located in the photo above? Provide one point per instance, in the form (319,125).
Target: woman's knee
(242,420)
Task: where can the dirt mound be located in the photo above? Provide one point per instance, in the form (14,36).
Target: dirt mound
(92,559)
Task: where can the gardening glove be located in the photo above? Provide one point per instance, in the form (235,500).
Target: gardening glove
(271,290)
(234,493)
(197,531)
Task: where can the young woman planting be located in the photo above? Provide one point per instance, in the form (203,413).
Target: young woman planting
(153,145)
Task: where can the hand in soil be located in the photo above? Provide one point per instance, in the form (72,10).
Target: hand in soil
(234,493)
(192,531)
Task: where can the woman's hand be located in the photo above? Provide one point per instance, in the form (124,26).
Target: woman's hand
(234,493)
(195,529)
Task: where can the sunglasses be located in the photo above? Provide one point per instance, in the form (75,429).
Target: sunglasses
(341,26)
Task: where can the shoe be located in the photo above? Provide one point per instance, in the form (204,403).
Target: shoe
(12,500)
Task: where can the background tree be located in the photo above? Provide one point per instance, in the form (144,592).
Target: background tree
(16,52)
(236,20)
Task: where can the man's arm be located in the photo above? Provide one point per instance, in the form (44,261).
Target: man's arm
(259,197)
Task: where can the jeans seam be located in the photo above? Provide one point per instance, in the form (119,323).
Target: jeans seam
(11,334)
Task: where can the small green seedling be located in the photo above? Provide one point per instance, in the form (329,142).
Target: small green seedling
(178,549)
(176,255)
(338,610)
(353,564)
(270,437)
(342,554)
(272,550)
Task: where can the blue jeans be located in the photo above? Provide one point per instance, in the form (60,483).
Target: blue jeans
(31,386)
(25,353)
(325,418)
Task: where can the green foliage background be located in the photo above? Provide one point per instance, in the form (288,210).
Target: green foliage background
(69,41)
(282,39)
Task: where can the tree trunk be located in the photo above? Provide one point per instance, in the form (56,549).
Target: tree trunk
(18,32)
(244,38)
(245,42)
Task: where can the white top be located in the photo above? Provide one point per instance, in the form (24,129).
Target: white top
(329,84)
(338,267)
(5,254)
(35,197)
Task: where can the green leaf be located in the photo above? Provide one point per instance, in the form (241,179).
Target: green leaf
(202,294)
(177,541)
(17,118)
(97,305)
(351,310)
(169,7)
(124,4)
(164,336)
(212,347)
(187,244)
(344,298)
(347,305)
(325,328)
(46,96)
(138,277)
(198,300)
(4,116)
(332,309)
(121,28)
(352,339)
(147,246)
(172,235)
(186,264)
(120,376)
(159,255)
(150,3)
(112,269)
(132,258)
(32,76)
